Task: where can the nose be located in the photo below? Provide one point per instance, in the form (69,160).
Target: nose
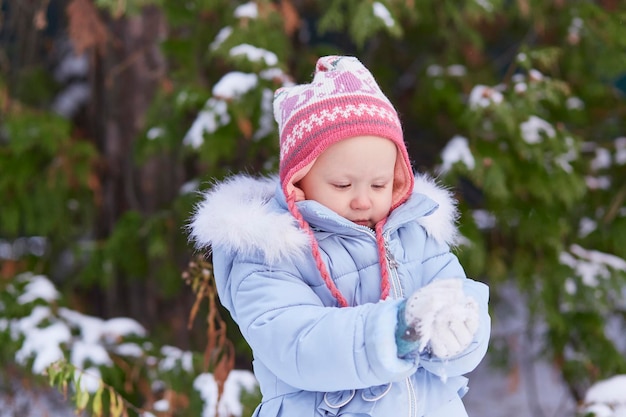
(361,201)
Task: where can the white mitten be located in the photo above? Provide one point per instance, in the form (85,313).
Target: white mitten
(423,305)
(440,314)
(454,328)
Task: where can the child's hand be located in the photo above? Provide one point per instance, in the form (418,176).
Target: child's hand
(440,314)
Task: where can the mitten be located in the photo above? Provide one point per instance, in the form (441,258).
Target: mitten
(407,339)
(416,315)
(454,328)
(439,314)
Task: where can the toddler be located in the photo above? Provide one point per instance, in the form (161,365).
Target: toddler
(339,271)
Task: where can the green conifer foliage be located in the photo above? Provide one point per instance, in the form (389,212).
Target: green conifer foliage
(517,105)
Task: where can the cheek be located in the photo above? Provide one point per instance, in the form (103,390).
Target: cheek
(338,202)
(384,202)
(327,197)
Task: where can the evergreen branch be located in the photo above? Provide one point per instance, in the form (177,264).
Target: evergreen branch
(61,373)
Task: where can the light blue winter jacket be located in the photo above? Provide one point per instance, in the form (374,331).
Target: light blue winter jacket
(311,357)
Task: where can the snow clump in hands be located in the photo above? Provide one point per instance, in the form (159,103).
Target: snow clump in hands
(439,315)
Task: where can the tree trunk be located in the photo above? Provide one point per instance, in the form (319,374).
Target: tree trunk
(125,79)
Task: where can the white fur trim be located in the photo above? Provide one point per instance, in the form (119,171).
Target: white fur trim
(235,214)
(441,224)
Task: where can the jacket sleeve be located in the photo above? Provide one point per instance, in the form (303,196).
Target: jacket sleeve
(440,263)
(304,343)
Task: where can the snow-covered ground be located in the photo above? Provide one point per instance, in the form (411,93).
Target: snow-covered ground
(528,387)
(533,392)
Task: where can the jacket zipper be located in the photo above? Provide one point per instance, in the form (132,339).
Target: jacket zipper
(412,397)
(392,264)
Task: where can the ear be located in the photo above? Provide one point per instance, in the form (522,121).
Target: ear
(299,193)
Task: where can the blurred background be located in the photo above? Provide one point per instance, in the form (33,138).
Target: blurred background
(116,114)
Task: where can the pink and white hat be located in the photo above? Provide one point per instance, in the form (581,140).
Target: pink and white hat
(342,101)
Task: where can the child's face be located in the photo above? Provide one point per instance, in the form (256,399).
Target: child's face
(354,178)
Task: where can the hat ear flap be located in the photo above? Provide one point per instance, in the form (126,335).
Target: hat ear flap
(403,180)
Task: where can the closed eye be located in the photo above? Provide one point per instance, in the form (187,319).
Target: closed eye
(341,186)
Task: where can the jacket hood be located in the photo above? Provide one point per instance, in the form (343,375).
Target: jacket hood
(241,214)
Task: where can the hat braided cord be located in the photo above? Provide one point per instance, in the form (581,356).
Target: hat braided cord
(385,285)
(291,204)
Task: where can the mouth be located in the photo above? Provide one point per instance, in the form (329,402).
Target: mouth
(362,222)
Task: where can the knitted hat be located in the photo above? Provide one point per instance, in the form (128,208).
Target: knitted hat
(342,102)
